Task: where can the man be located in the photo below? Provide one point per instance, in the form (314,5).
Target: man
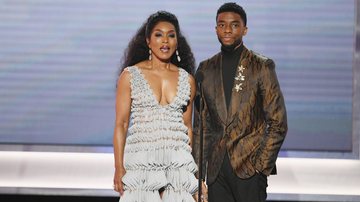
(244,116)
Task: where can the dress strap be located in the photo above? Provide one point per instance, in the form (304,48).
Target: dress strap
(139,93)
(184,88)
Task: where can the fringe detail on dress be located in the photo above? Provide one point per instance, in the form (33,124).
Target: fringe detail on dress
(157,154)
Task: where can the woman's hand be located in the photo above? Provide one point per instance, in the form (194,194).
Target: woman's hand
(118,184)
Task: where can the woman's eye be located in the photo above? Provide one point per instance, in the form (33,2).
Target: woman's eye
(158,34)
(172,35)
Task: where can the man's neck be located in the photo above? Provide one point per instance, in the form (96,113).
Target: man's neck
(231,49)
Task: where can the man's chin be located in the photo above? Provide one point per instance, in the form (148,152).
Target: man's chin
(229,45)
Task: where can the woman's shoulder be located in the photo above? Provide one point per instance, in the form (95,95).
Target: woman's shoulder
(187,75)
(124,78)
(142,65)
(133,68)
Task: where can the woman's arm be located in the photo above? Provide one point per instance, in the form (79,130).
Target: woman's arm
(122,109)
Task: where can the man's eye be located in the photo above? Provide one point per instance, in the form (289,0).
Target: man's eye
(235,25)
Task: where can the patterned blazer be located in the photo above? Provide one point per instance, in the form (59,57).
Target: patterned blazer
(253,127)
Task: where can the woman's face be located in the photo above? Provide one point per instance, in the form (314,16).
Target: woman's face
(163,41)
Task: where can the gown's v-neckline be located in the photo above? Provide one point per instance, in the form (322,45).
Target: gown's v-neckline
(151,91)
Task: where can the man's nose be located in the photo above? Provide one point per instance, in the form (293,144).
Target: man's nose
(228,29)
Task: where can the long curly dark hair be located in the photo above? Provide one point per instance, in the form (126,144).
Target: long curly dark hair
(138,49)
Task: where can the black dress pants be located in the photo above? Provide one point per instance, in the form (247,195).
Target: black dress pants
(230,188)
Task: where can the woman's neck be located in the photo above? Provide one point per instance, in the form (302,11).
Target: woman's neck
(158,64)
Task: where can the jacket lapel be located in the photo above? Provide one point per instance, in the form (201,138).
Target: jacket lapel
(219,90)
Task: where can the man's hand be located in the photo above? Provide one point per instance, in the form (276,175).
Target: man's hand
(204,195)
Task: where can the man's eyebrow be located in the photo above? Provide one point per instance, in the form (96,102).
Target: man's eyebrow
(221,21)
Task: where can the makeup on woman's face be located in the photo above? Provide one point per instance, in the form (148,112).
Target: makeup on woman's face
(163,41)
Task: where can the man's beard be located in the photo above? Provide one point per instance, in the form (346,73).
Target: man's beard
(230,48)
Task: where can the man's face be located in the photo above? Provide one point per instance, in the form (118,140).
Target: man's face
(230,28)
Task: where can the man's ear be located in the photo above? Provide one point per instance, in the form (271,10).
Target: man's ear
(245,31)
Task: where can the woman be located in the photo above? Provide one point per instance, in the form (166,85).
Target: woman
(153,127)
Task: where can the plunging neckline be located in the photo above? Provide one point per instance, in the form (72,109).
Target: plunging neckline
(151,91)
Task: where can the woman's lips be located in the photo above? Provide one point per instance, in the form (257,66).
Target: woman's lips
(164,49)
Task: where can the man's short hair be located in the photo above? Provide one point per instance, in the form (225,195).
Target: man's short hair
(232,7)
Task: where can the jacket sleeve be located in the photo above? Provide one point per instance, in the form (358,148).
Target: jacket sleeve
(275,116)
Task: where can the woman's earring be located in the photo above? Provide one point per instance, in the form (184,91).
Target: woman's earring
(150,54)
(177,55)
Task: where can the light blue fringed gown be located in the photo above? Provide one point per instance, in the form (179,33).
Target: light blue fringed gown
(157,154)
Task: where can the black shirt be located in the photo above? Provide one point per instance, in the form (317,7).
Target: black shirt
(230,60)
